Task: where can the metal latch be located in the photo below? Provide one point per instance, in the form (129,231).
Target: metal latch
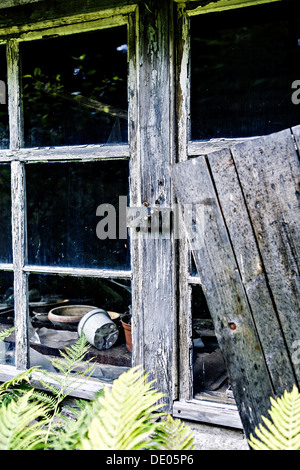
(150,219)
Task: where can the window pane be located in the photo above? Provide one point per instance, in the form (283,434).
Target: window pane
(72,293)
(210,376)
(4,129)
(75,89)
(7,347)
(243,65)
(5,215)
(63,226)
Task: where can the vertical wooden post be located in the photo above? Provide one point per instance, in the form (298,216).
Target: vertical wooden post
(153,263)
(14,95)
(18,207)
(185,291)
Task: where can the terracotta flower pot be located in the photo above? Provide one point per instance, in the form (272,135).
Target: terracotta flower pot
(127,331)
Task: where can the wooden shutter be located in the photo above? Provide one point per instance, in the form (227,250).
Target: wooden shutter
(245,242)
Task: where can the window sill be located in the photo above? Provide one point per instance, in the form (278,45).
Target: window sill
(208,412)
(86,389)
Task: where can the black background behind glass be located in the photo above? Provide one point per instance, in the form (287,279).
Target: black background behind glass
(4,128)
(62,199)
(242,68)
(5,215)
(66,79)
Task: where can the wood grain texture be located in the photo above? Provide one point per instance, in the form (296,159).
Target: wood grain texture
(185,343)
(153,262)
(250,265)
(16,3)
(269,174)
(14,95)
(68,153)
(246,248)
(19,255)
(44,16)
(208,412)
(224,293)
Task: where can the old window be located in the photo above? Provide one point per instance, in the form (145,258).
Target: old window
(64,184)
(236,71)
(243,65)
(86,135)
(75,89)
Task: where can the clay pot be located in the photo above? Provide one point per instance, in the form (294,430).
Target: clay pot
(68,315)
(127,331)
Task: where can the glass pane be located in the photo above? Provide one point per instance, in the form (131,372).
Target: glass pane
(63,226)
(72,298)
(7,347)
(4,128)
(210,376)
(5,215)
(75,89)
(244,63)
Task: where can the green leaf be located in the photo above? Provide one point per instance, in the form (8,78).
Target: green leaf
(126,417)
(282,432)
(37,72)
(172,434)
(5,333)
(18,428)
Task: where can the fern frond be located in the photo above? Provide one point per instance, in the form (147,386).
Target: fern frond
(75,431)
(18,428)
(283,432)
(71,356)
(69,379)
(14,388)
(125,420)
(67,365)
(5,333)
(45,398)
(173,434)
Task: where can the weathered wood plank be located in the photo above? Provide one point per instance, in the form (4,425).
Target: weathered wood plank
(83,272)
(15,3)
(86,388)
(19,256)
(18,208)
(14,95)
(208,412)
(196,148)
(78,152)
(154,261)
(269,174)
(195,7)
(185,342)
(250,266)
(296,134)
(43,16)
(224,291)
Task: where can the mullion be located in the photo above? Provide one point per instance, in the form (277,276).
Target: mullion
(18,207)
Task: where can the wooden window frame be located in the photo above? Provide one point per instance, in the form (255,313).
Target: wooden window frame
(187,406)
(151,94)
(160,82)
(18,157)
